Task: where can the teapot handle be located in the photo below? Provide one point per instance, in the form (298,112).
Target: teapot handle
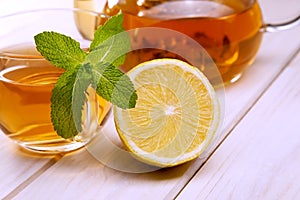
(271,28)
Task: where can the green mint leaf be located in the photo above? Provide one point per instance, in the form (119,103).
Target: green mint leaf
(60,50)
(112,27)
(110,43)
(114,86)
(61,105)
(68,97)
(79,94)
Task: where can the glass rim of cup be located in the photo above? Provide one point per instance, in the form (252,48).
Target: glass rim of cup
(54,9)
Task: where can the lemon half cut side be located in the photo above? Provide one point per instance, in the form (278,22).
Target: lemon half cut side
(176,114)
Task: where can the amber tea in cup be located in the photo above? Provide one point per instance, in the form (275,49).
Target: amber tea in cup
(27,80)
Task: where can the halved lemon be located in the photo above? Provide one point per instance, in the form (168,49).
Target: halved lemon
(176,114)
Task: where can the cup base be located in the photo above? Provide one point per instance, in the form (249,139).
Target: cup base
(54,148)
(221,84)
(235,78)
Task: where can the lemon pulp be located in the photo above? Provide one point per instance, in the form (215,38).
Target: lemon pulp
(176,114)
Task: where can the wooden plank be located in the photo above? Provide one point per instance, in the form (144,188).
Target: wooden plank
(17,166)
(81,176)
(279,11)
(260,159)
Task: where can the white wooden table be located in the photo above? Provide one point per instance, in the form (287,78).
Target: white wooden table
(257,155)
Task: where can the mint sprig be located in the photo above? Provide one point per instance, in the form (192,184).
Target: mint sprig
(96,68)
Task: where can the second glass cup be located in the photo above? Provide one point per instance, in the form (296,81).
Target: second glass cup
(27,79)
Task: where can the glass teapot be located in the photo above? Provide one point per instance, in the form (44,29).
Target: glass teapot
(229,30)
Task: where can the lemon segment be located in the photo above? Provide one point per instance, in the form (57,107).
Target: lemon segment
(176,114)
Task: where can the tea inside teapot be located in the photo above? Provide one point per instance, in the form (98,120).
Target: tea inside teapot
(186,9)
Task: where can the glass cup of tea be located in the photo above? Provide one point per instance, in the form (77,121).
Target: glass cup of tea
(229,30)
(27,80)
